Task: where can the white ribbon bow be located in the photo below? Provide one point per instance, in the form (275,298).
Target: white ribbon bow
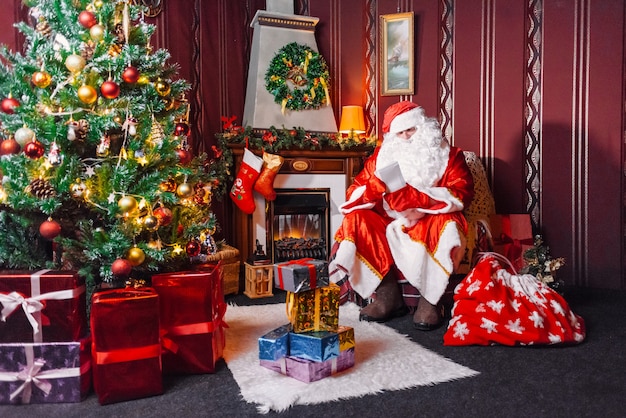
(14,300)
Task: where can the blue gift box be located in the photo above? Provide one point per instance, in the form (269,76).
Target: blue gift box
(275,344)
(54,372)
(314,345)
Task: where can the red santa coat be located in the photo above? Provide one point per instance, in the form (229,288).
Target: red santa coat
(379,229)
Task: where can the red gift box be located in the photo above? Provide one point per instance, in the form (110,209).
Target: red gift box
(126,350)
(192,328)
(43,306)
(512,235)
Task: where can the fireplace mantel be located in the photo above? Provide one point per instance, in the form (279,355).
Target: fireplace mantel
(297,162)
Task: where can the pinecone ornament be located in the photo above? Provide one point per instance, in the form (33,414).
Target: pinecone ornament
(87,50)
(41,188)
(77,130)
(120,38)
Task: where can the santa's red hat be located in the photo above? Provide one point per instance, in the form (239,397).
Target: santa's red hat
(400,116)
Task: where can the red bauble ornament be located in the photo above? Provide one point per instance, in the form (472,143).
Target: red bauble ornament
(121,267)
(130,74)
(10,146)
(34,149)
(181,129)
(110,89)
(184,156)
(87,19)
(49,229)
(193,248)
(164,215)
(9,104)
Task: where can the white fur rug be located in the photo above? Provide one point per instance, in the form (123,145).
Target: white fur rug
(385,360)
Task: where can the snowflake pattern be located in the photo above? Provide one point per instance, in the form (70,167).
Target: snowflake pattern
(473,287)
(515,326)
(496,305)
(536,319)
(488,325)
(460,330)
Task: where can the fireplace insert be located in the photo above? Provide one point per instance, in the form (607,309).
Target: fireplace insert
(298,224)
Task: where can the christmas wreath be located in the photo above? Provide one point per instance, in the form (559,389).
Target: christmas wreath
(306,70)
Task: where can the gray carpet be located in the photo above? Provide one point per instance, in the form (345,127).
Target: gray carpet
(588,380)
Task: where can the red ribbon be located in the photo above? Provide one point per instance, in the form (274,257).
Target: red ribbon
(300,262)
(127,354)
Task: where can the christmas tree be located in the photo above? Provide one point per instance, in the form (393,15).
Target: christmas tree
(96,170)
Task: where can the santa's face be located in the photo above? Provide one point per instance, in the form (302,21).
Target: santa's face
(407,133)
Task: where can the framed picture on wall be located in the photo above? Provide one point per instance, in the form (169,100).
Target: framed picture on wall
(396,54)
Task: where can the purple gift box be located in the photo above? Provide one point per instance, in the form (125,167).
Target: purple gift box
(310,371)
(275,344)
(314,345)
(45,372)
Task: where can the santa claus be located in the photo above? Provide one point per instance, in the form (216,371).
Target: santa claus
(404,212)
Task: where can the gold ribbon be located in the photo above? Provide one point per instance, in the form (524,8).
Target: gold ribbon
(325,90)
(283,105)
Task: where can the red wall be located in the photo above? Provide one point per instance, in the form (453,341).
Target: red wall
(550,135)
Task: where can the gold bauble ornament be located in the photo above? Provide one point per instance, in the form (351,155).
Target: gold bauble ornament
(75,63)
(127,204)
(96,32)
(136,256)
(168,102)
(162,87)
(151,223)
(78,189)
(87,94)
(41,79)
(184,190)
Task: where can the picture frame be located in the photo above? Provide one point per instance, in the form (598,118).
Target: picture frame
(396,54)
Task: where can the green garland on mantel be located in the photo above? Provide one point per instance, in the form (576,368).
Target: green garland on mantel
(271,140)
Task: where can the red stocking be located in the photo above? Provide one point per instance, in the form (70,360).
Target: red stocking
(265,183)
(241,192)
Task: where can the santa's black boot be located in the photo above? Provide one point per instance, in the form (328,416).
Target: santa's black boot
(427,317)
(388,303)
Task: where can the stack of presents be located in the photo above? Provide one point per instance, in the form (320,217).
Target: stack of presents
(311,345)
(136,334)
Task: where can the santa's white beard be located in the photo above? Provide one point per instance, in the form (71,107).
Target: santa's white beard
(422,158)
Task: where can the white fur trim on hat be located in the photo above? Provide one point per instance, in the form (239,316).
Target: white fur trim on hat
(404,121)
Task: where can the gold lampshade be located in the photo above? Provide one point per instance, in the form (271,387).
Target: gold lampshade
(352,120)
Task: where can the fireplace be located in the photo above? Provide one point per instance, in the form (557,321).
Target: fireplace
(298,224)
(303,171)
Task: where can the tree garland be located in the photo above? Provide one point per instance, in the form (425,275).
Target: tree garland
(306,70)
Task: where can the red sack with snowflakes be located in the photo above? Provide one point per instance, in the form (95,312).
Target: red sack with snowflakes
(494,305)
